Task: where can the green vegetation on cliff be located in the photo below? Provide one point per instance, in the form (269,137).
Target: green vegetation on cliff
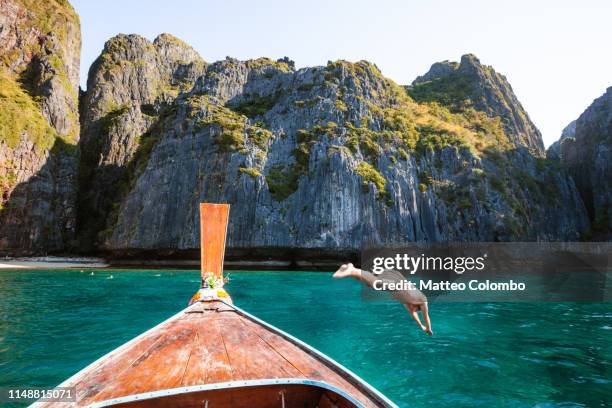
(234,127)
(51,16)
(453,90)
(280,65)
(255,105)
(425,121)
(251,171)
(283,180)
(43,31)
(370,175)
(20,115)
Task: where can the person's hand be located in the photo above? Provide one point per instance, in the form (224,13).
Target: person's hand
(344,271)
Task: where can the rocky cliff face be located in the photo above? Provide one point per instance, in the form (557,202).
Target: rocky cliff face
(39,125)
(586,151)
(568,132)
(335,157)
(471,85)
(322,158)
(129,86)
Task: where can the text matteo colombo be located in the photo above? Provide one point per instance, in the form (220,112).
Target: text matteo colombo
(474,284)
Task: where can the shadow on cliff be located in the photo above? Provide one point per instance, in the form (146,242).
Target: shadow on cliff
(95,206)
(38,217)
(101,188)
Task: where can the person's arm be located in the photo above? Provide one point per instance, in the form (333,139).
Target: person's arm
(366,277)
(349,270)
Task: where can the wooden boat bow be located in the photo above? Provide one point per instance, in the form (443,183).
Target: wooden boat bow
(214,354)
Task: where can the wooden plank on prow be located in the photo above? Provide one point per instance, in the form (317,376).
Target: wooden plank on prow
(213,230)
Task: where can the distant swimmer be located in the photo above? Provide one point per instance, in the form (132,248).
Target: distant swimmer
(413,299)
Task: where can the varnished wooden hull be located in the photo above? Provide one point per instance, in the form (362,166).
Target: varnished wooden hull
(213,354)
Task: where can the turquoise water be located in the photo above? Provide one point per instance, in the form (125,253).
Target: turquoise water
(53,323)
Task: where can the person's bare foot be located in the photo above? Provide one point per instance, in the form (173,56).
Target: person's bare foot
(345,270)
(426,330)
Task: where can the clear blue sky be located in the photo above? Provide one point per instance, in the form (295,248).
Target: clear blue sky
(556,54)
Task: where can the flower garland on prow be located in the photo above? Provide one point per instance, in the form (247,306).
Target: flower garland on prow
(212,289)
(211,282)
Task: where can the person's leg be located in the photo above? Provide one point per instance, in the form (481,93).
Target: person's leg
(425,313)
(412,311)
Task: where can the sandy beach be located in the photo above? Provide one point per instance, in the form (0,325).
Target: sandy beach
(51,262)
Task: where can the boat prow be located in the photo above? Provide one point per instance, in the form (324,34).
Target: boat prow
(214,354)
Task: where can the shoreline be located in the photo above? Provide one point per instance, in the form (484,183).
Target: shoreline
(255,259)
(52,262)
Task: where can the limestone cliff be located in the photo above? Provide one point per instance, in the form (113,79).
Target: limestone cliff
(39,126)
(568,132)
(334,157)
(129,86)
(471,85)
(325,158)
(586,151)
